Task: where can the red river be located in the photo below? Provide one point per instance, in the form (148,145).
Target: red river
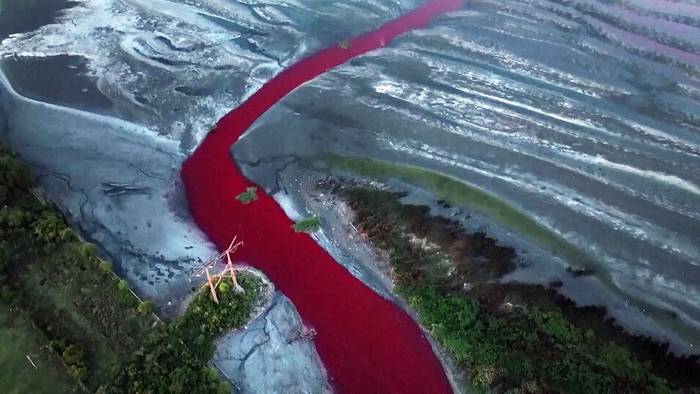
(367,344)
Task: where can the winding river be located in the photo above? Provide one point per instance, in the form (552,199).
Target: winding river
(366,342)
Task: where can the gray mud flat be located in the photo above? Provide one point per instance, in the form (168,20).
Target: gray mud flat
(58,80)
(269,356)
(20,16)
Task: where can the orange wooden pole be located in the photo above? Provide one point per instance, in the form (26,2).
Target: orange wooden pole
(211,286)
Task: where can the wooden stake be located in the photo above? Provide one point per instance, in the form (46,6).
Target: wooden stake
(229,268)
(212,288)
(30,360)
(227,272)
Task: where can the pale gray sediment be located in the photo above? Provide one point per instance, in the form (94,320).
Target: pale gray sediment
(269,356)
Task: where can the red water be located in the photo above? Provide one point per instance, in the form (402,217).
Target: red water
(367,343)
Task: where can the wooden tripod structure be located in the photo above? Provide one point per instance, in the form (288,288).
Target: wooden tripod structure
(213,280)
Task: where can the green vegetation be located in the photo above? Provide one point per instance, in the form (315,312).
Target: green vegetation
(67,305)
(307,225)
(452,189)
(527,348)
(19,338)
(249,195)
(145,308)
(204,321)
(164,364)
(503,346)
(57,281)
(448,188)
(172,356)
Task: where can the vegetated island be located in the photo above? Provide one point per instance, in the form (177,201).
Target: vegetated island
(506,337)
(69,324)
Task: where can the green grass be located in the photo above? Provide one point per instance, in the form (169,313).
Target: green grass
(457,192)
(19,338)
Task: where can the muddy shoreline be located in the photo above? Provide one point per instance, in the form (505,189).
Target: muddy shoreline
(471,278)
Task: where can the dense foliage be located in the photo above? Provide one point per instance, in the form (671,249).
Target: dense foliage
(521,347)
(164,364)
(204,320)
(171,358)
(15,177)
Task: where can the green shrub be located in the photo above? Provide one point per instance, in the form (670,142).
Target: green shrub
(73,355)
(145,307)
(87,250)
(249,195)
(7,294)
(307,225)
(105,266)
(205,318)
(13,217)
(50,229)
(124,294)
(80,373)
(172,358)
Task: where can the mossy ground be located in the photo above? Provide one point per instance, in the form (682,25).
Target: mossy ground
(249,195)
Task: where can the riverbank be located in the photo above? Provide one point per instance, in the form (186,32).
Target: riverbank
(505,335)
(451,191)
(365,342)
